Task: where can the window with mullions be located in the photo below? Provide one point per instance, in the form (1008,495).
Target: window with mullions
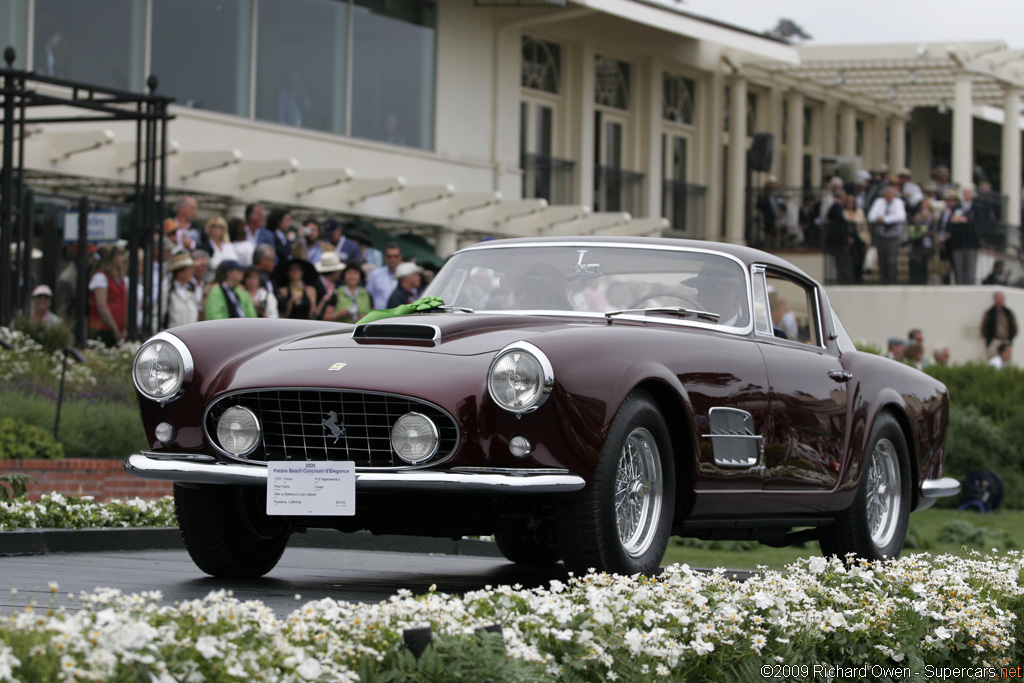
(393,71)
(611,82)
(679,99)
(542,65)
(192,37)
(93,41)
(301,63)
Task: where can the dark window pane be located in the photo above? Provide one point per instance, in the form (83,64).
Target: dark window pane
(301,63)
(611,87)
(393,71)
(201,53)
(542,65)
(13,29)
(93,41)
(678,99)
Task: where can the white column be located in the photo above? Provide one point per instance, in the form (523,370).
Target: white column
(962,170)
(795,140)
(775,96)
(714,157)
(447,242)
(848,131)
(585,130)
(897,143)
(652,104)
(874,143)
(735,184)
(829,143)
(1011,172)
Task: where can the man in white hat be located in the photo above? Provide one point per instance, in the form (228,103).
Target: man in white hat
(180,303)
(409,276)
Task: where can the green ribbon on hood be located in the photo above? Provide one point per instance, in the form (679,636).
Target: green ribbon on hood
(423,304)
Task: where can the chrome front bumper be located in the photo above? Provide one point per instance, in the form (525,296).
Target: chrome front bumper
(201,469)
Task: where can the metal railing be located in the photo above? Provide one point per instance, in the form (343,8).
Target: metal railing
(684,205)
(549,178)
(616,189)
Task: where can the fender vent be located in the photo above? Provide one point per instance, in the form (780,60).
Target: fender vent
(382,331)
(733,439)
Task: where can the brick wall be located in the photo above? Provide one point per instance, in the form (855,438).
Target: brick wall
(102,479)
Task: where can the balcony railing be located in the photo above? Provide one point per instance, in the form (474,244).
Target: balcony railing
(548,178)
(683,204)
(618,190)
(798,226)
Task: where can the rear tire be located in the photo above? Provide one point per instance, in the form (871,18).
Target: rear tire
(227,531)
(622,521)
(875,526)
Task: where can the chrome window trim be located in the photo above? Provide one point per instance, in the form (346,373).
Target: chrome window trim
(739,331)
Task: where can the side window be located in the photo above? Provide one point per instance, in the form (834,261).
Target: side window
(793,307)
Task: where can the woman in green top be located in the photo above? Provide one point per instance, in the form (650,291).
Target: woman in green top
(351,300)
(228,299)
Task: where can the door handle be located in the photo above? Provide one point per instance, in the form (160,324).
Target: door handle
(840,375)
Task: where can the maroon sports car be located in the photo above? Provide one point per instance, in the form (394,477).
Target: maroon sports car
(580,399)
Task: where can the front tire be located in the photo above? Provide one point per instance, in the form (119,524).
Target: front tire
(227,531)
(622,522)
(526,546)
(875,526)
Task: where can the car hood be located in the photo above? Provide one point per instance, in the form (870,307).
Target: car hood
(457,334)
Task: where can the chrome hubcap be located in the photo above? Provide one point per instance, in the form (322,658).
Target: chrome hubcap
(638,492)
(883,495)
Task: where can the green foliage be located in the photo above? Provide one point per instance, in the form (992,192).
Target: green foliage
(986,425)
(88,428)
(18,481)
(962,532)
(479,657)
(21,441)
(53,337)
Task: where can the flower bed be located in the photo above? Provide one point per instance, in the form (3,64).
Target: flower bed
(918,618)
(55,511)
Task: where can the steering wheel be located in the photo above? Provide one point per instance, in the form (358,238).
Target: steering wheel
(690,303)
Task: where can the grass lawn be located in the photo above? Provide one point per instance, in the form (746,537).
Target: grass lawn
(936,531)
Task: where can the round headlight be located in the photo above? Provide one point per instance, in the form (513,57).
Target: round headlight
(238,430)
(414,438)
(161,367)
(520,378)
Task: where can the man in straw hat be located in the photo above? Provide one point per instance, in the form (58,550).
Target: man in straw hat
(180,304)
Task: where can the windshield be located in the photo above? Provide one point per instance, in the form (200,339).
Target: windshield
(594,279)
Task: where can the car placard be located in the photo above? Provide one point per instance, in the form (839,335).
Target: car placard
(325,489)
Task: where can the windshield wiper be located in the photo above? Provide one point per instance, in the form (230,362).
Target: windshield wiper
(453,309)
(674,310)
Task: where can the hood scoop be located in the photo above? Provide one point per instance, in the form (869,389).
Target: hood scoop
(391,331)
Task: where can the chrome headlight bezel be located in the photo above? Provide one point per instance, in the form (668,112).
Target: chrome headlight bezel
(541,388)
(433,435)
(256,440)
(184,372)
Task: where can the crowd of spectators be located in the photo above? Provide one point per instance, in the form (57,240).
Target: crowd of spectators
(261,265)
(866,225)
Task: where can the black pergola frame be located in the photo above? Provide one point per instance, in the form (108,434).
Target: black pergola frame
(150,113)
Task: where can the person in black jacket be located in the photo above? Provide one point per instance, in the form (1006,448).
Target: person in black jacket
(998,325)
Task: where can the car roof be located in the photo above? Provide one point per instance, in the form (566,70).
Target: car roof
(746,255)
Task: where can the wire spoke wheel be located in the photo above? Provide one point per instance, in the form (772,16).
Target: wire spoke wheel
(638,492)
(883,493)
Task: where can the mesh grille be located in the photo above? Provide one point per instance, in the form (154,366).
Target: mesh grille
(299,425)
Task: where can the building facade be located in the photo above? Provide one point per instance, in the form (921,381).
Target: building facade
(460,119)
